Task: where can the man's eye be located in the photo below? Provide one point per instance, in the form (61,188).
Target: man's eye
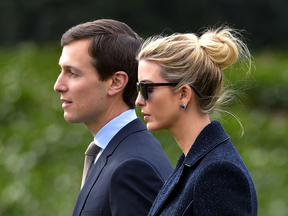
(72,73)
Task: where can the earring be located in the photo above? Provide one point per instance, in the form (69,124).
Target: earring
(183,106)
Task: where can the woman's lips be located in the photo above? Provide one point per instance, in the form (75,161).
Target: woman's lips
(146,116)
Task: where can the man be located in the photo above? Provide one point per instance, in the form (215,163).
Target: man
(98,87)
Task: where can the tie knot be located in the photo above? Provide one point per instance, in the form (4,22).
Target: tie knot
(92,149)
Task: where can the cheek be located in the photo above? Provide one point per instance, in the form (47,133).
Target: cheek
(88,90)
(85,98)
(166,110)
(162,110)
(91,97)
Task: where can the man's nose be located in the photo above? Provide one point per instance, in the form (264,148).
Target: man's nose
(59,85)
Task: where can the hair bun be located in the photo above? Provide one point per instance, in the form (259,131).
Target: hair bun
(222,46)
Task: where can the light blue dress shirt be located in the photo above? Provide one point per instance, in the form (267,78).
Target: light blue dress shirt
(106,133)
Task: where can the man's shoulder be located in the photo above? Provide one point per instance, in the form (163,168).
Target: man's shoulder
(136,124)
(137,128)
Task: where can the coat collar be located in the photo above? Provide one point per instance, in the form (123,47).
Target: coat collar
(210,137)
(132,127)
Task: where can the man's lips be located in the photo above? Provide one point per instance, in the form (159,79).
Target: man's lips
(66,103)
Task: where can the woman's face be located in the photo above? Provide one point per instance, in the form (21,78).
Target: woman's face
(162,108)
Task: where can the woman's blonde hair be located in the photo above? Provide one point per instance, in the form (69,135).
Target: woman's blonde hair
(198,61)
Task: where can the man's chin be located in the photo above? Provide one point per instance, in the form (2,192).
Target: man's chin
(71,119)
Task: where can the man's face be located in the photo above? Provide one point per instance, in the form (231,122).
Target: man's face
(84,96)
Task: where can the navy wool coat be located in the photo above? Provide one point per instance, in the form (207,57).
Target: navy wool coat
(211,180)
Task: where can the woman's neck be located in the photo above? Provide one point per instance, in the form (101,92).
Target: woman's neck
(186,130)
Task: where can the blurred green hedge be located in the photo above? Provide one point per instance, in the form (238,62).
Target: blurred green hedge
(42,155)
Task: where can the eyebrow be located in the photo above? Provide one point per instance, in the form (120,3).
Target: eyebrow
(146,81)
(69,67)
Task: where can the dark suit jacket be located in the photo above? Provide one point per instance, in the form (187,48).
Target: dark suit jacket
(127,176)
(211,180)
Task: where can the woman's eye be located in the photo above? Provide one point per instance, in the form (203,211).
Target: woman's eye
(149,89)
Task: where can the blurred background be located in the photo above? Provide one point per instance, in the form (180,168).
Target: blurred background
(41,155)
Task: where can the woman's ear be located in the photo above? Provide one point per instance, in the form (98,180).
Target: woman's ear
(118,82)
(185,94)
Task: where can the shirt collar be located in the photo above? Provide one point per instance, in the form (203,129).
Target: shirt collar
(106,133)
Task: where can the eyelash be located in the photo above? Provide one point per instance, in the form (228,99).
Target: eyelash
(70,72)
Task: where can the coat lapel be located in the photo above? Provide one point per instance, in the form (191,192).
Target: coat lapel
(168,186)
(210,137)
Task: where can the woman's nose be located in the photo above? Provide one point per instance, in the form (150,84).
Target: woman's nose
(139,101)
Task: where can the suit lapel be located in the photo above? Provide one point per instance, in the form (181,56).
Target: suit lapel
(132,127)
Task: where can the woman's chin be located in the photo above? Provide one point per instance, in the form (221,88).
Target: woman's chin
(152,127)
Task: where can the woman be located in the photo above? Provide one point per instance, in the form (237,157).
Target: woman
(180,84)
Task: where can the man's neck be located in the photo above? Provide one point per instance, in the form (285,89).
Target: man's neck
(112,112)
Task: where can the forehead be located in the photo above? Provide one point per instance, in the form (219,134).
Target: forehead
(75,53)
(149,71)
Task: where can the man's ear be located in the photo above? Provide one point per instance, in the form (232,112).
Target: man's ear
(118,82)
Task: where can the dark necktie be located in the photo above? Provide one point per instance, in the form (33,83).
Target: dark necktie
(90,155)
